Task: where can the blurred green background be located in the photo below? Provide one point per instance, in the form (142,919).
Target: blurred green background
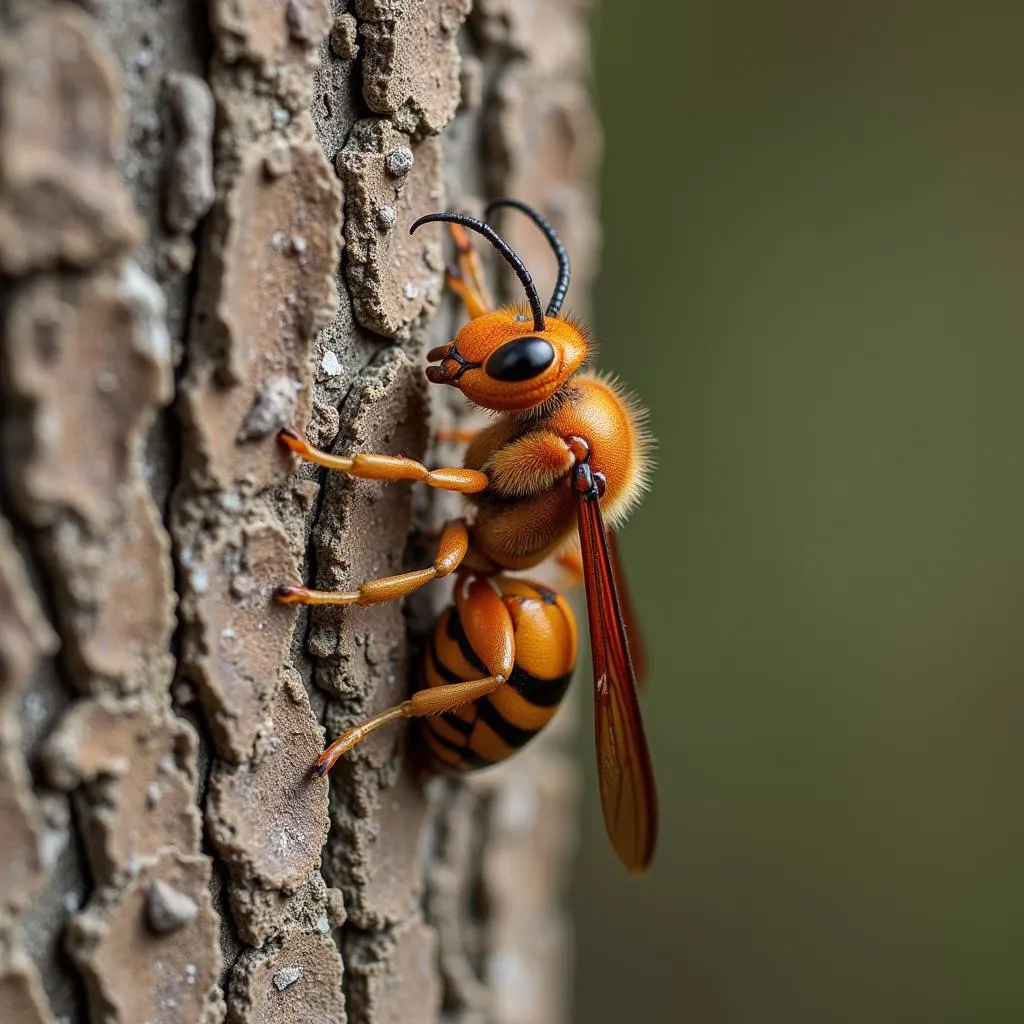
(812,274)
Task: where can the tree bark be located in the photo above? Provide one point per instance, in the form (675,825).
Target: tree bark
(204,217)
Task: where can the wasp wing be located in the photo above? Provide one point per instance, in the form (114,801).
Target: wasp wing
(637,650)
(628,797)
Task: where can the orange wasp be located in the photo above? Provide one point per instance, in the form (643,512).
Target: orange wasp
(566,453)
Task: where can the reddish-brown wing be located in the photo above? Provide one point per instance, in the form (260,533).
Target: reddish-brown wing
(637,651)
(628,797)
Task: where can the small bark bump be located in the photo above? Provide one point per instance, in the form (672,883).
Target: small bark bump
(167,909)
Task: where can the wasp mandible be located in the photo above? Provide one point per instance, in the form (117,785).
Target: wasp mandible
(564,462)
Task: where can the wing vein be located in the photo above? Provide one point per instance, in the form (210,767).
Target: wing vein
(628,796)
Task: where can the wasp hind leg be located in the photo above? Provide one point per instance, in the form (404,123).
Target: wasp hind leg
(489,630)
(435,700)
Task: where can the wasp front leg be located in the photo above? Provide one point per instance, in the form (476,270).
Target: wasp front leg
(451,550)
(489,629)
(466,277)
(386,467)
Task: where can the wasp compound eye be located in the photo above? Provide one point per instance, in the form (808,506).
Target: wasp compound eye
(520,359)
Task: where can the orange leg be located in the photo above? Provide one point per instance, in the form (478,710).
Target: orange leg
(435,700)
(386,467)
(488,627)
(451,550)
(466,278)
(456,436)
(572,562)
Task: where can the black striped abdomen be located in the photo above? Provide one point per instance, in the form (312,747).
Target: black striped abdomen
(490,729)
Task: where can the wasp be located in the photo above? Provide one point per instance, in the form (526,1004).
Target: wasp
(562,464)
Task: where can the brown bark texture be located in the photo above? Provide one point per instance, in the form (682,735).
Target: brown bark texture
(204,214)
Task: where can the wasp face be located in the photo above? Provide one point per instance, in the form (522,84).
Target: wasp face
(501,362)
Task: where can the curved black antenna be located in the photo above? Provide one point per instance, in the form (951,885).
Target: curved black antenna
(564,270)
(503,247)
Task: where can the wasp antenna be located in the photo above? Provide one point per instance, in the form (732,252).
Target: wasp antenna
(564,269)
(503,247)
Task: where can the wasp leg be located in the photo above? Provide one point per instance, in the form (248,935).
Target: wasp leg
(434,700)
(572,562)
(451,550)
(456,436)
(386,467)
(488,628)
(466,278)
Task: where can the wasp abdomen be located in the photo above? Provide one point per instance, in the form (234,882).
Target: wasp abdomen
(488,730)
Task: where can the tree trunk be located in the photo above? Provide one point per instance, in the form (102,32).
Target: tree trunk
(204,218)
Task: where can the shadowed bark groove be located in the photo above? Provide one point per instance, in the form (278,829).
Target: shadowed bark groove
(204,214)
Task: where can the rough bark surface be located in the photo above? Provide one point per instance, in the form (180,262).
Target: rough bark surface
(204,213)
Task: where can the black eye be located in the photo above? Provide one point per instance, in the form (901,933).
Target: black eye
(520,359)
